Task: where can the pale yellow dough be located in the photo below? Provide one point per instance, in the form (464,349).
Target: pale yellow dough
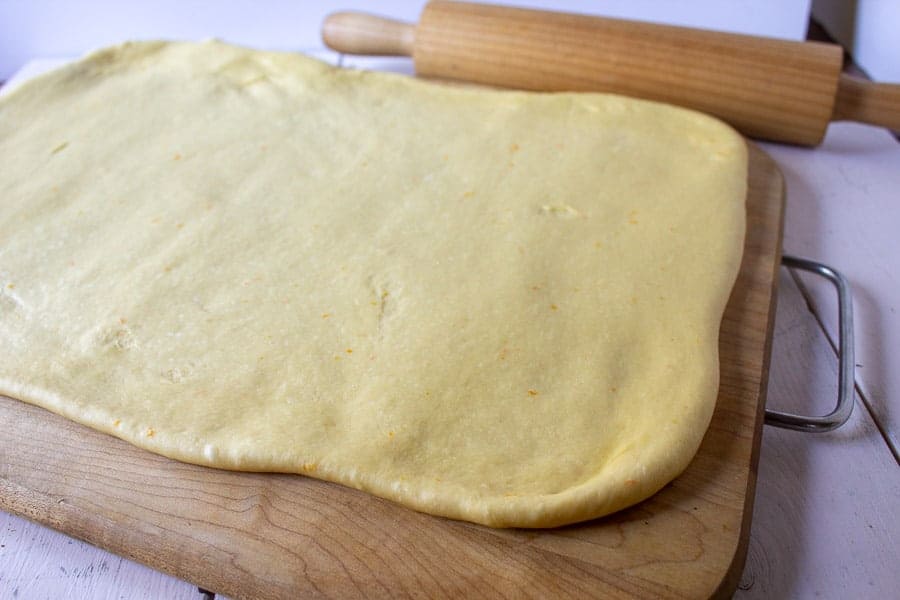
(494,306)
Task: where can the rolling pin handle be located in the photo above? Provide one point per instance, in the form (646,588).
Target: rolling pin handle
(361,33)
(867,102)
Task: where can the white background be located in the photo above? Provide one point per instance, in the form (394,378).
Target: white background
(869,29)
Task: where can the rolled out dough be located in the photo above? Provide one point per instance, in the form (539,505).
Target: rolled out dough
(490,305)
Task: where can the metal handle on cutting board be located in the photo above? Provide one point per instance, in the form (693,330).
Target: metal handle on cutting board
(844,407)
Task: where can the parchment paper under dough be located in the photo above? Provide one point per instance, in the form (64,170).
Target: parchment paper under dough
(494,306)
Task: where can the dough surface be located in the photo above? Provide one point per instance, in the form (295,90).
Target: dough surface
(495,306)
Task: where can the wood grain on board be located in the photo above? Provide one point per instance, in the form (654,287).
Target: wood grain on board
(272,535)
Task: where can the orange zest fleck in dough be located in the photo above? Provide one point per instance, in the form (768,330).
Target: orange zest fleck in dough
(150,432)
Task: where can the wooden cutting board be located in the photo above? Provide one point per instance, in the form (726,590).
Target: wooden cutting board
(285,536)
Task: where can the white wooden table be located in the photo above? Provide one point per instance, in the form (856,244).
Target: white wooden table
(826,522)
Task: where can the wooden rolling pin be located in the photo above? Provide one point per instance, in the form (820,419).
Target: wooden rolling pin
(767,88)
